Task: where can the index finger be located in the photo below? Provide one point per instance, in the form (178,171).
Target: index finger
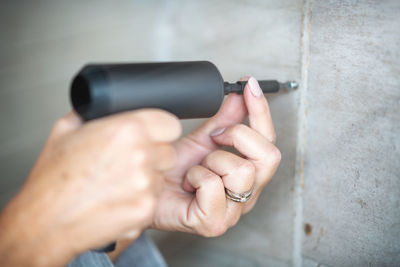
(259,114)
(159,125)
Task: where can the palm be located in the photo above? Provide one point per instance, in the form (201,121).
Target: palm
(176,205)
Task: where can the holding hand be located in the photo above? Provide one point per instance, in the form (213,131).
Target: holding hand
(92,184)
(98,182)
(194,195)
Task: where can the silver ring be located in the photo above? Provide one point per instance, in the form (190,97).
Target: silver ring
(238,197)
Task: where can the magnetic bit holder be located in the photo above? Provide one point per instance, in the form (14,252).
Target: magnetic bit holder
(267,86)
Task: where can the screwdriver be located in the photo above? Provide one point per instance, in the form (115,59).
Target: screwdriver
(193,89)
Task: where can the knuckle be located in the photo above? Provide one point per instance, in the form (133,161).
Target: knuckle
(215,154)
(60,125)
(141,156)
(212,156)
(167,117)
(123,130)
(193,170)
(143,183)
(238,129)
(163,118)
(206,176)
(275,156)
(211,179)
(247,168)
(170,119)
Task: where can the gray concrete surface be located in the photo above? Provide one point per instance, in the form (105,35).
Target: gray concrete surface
(47,41)
(339,134)
(352,156)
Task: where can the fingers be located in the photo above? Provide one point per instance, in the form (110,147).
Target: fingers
(208,209)
(159,157)
(67,124)
(259,114)
(238,175)
(159,125)
(145,135)
(232,111)
(249,143)
(193,148)
(199,142)
(256,148)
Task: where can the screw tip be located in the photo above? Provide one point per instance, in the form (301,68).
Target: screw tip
(291,85)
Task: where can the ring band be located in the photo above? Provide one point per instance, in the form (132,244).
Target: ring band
(238,197)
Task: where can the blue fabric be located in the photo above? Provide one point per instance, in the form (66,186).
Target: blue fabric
(91,259)
(142,252)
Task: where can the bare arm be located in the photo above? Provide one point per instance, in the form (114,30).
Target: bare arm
(92,184)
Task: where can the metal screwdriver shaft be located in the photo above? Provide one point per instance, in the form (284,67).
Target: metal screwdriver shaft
(267,86)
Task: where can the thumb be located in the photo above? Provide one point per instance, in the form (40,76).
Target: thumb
(199,143)
(232,111)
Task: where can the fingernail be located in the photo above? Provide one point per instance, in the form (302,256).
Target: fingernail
(218,131)
(254,87)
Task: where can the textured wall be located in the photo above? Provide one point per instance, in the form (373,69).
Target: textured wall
(45,42)
(352,152)
(335,200)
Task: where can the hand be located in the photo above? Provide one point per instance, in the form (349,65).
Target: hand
(92,184)
(193,199)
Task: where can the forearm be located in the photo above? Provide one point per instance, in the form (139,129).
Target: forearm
(91,185)
(26,240)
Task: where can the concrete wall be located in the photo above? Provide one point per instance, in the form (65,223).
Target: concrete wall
(335,199)
(351,195)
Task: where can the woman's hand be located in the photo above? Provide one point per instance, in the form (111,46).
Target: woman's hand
(92,184)
(193,199)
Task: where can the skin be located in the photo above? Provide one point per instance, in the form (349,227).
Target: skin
(149,180)
(193,199)
(92,184)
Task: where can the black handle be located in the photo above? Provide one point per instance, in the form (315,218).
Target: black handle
(187,89)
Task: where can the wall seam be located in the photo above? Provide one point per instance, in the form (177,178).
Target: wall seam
(301,135)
